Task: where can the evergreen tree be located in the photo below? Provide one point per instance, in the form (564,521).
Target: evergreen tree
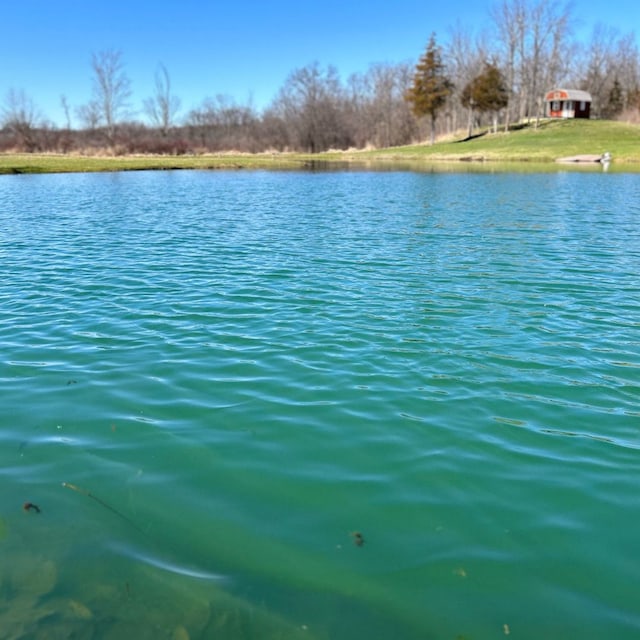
(486,92)
(633,99)
(615,103)
(431,86)
(490,93)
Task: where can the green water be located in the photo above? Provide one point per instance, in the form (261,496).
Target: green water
(239,371)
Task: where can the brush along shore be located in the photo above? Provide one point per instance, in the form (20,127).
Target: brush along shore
(527,143)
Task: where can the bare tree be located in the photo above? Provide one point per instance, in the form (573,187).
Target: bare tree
(379,114)
(611,64)
(533,39)
(509,18)
(312,103)
(65,138)
(549,24)
(628,66)
(21,116)
(89,114)
(64,103)
(163,106)
(111,88)
(220,123)
(598,68)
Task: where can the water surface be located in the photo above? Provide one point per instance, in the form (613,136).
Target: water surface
(236,372)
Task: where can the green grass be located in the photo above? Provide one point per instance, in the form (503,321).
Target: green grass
(59,163)
(551,140)
(524,144)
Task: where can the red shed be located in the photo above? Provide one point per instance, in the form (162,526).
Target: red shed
(567,103)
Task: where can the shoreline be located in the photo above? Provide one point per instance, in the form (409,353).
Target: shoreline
(34,163)
(549,145)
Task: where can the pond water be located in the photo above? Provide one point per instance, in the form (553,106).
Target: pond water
(320,405)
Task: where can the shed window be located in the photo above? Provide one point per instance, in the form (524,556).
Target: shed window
(555,105)
(583,106)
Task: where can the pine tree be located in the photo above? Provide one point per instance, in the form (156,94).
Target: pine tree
(486,92)
(490,92)
(431,86)
(615,103)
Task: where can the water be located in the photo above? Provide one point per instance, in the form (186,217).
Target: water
(235,373)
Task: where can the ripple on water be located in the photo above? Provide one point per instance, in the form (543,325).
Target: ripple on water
(252,367)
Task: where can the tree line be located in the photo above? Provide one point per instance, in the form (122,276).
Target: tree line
(496,76)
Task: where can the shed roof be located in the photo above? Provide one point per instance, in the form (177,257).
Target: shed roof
(568,94)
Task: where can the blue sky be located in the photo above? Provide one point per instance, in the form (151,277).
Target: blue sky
(245,49)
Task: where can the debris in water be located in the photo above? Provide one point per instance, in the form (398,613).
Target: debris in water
(84,492)
(29,506)
(358,538)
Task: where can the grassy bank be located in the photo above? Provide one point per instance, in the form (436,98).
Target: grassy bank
(551,140)
(524,144)
(58,163)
